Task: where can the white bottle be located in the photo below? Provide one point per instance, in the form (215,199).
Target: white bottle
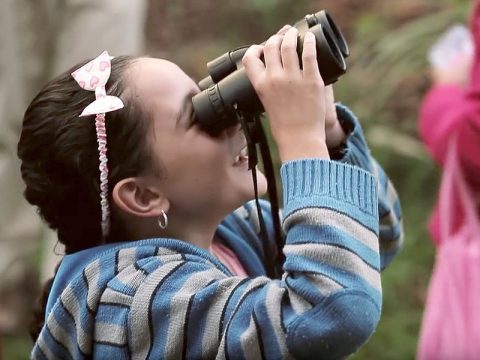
(453,45)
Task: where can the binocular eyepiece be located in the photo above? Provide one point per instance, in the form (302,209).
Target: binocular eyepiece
(227,88)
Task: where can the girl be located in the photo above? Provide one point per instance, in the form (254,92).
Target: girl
(451,109)
(449,122)
(158,264)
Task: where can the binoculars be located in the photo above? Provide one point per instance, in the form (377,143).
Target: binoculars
(228,90)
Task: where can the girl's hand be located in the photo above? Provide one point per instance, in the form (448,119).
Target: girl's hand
(457,74)
(333,130)
(293,98)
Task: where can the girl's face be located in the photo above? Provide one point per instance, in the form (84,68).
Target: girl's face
(200,173)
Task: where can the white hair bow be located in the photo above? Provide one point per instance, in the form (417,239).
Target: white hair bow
(93,76)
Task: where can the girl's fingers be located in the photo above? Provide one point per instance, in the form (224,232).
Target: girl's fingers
(309,57)
(273,60)
(252,61)
(289,50)
(329,94)
(283,30)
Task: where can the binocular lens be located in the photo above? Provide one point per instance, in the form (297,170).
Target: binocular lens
(327,22)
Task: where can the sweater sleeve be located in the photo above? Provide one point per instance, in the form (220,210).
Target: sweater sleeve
(357,153)
(332,260)
(452,109)
(326,305)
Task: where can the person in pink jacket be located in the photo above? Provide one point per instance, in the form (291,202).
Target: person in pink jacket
(452,106)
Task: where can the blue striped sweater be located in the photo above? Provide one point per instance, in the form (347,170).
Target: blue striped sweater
(164,298)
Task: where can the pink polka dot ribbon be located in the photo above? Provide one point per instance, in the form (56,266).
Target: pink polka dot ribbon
(93,76)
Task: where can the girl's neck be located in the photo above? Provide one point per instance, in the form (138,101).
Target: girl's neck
(198,233)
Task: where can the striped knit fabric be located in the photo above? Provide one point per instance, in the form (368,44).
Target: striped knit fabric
(166,299)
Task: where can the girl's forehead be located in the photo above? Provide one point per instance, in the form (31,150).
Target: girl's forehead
(150,77)
(161,88)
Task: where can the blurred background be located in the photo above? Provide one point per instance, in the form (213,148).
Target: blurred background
(386,79)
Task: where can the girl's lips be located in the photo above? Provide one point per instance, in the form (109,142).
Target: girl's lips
(242,157)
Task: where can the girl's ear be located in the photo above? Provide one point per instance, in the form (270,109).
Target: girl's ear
(136,197)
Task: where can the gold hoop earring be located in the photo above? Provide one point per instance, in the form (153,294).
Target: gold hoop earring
(163,221)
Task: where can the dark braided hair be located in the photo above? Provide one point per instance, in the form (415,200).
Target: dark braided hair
(59,159)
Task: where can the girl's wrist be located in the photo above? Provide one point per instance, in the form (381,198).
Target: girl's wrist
(335,135)
(301,148)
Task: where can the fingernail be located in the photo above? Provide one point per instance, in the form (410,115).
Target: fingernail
(284,29)
(309,36)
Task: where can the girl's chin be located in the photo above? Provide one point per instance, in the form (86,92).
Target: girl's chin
(262,186)
(247,191)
